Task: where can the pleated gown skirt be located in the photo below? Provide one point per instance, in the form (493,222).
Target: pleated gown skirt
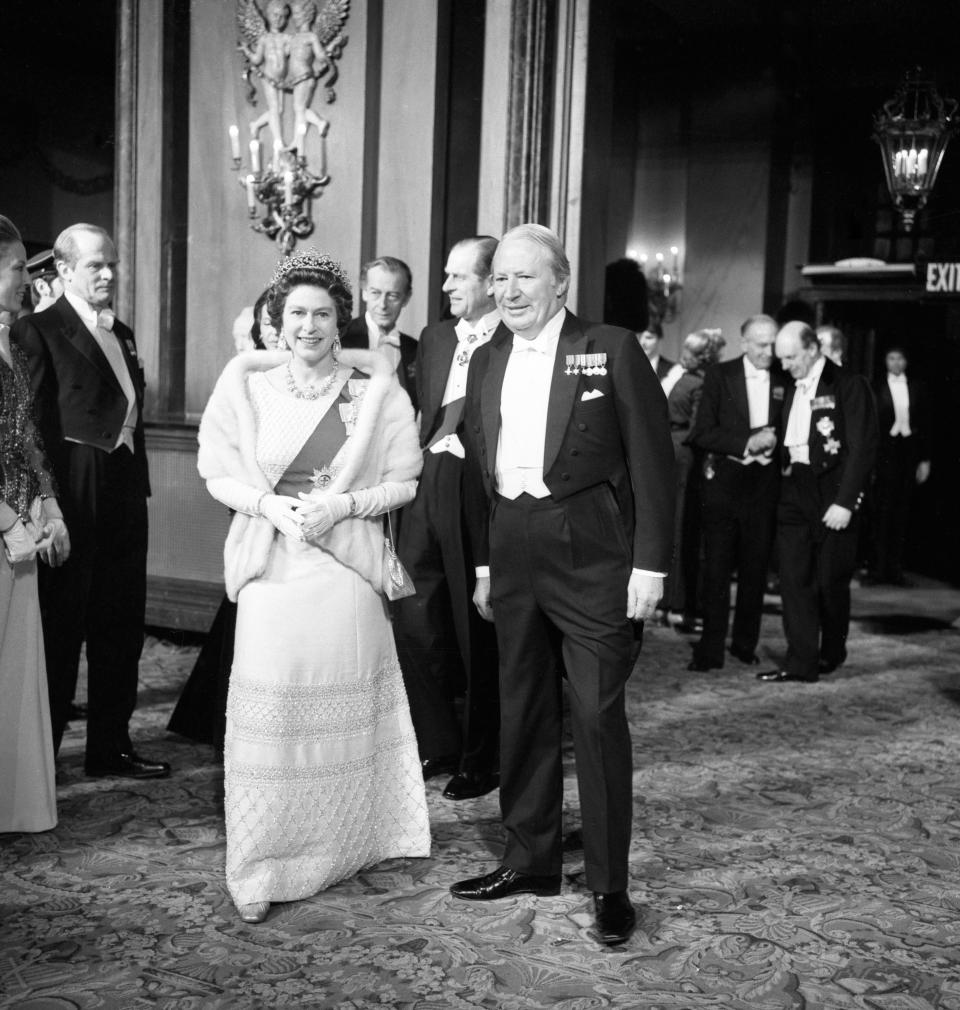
(321,765)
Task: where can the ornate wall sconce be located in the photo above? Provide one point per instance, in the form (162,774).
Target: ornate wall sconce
(289,45)
(283,189)
(663,284)
(913,130)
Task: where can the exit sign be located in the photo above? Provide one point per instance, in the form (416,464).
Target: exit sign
(943,278)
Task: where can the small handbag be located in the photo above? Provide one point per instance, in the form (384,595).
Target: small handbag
(19,543)
(396,581)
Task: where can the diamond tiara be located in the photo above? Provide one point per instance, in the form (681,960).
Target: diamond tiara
(309,259)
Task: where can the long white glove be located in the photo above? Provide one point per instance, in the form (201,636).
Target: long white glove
(321,514)
(284,512)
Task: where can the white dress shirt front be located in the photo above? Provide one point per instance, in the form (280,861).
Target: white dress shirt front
(797,437)
(470,336)
(901,404)
(387,344)
(523,412)
(109,343)
(758,405)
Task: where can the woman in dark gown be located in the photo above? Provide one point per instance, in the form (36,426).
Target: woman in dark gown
(201,711)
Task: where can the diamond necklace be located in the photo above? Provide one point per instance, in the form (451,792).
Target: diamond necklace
(311,392)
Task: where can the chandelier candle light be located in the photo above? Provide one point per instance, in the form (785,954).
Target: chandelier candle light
(913,130)
(284,189)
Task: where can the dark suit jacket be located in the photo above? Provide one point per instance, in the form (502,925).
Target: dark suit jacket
(77,394)
(356,335)
(663,367)
(843,435)
(620,438)
(722,423)
(437,345)
(918,414)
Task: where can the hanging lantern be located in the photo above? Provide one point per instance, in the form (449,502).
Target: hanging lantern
(913,130)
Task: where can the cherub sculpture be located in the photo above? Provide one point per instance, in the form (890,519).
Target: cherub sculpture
(269,54)
(291,61)
(308,63)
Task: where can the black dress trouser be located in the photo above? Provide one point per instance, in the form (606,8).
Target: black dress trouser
(563,567)
(816,565)
(446,649)
(98,597)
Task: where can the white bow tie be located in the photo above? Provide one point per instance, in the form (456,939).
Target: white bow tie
(105,319)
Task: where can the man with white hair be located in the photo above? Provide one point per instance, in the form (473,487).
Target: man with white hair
(828,450)
(569,469)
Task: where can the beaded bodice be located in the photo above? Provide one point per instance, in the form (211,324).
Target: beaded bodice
(24,469)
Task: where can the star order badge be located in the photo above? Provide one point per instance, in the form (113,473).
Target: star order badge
(825,426)
(832,446)
(321,478)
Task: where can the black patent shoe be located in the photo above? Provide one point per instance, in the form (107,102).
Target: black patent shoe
(615,917)
(782,677)
(432,767)
(504,883)
(127,766)
(470,785)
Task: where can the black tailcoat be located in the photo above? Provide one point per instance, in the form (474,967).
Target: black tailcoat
(816,563)
(356,334)
(445,648)
(739,508)
(559,568)
(99,595)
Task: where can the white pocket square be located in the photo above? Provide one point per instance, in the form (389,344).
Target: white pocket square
(591,394)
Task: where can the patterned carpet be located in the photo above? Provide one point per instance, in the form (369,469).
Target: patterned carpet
(794,846)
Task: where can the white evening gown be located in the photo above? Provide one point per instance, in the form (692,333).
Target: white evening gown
(322,771)
(28,800)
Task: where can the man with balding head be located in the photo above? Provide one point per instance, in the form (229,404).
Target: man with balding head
(446,649)
(738,425)
(88,388)
(569,474)
(828,450)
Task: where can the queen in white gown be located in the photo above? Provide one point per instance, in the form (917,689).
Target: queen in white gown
(311,448)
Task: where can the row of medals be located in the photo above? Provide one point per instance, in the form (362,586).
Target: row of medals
(586,364)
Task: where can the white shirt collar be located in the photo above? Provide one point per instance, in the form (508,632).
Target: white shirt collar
(482,327)
(809,383)
(84,309)
(902,377)
(752,372)
(547,339)
(374,330)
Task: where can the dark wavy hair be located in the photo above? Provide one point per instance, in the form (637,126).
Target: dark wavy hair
(255,328)
(337,288)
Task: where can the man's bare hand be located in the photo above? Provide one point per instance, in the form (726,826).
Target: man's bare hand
(837,517)
(481,598)
(760,443)
(643,595)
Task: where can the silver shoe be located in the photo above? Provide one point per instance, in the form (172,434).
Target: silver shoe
(256,911)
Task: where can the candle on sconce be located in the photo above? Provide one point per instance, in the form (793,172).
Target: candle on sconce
(912,163)
(255,156)
(302,140)
(659,265)
(323,155)
(675,253)
(251,196)
(277,148)
(234,142)
(922,161)
(643,259)
(288,188)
